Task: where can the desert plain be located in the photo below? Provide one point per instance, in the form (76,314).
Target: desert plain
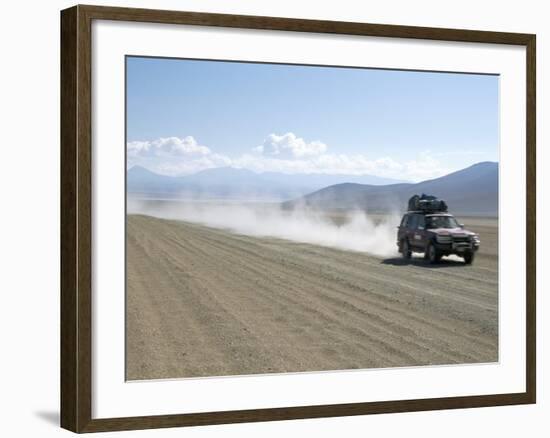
(207,301)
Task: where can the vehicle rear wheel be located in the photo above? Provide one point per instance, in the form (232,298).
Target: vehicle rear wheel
(433,255)
(406,249)
(469,258)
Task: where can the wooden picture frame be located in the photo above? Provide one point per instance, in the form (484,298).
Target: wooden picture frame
(76,218)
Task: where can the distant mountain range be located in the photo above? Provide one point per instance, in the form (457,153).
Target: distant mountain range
(238,184)
(470,191)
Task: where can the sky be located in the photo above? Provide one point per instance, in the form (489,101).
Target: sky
(184,116)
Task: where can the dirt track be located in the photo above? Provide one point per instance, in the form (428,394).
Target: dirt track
(205,302)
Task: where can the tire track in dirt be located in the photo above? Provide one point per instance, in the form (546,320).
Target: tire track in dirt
(369,292)
(387,323)
(204,302)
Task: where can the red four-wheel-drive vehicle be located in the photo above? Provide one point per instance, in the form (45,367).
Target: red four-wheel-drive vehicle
(436,234)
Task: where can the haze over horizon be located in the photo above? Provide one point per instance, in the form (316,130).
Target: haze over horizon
(260,172)
(382,180)
(473,189)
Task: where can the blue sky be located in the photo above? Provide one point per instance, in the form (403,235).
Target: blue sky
(184,116)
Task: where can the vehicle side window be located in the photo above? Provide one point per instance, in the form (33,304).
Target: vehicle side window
(412,222)
(404,220)
(421,222)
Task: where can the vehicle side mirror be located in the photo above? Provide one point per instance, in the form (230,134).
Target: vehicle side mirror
(461,225)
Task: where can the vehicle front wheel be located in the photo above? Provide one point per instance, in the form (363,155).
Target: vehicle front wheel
(405,249)
(433,255)
(469,258)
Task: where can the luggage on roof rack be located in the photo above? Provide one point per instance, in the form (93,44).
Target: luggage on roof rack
(427,203)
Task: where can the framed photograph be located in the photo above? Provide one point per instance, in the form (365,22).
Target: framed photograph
(271,218)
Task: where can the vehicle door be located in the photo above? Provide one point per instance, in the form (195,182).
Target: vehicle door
(402,228)
(420,234)
(412,230)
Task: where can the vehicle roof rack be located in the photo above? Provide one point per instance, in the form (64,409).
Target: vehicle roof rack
(427,204)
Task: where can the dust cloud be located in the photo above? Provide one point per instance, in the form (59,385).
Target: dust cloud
(351,230)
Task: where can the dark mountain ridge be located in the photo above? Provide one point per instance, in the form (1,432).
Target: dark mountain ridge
(470,191)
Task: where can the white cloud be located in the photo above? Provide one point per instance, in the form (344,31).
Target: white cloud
(279,153)
(289,145)
(424,167)
(174,155)
(167,147)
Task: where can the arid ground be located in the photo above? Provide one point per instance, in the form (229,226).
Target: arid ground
(203,301)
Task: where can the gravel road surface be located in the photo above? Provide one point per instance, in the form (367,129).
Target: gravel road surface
(206,302)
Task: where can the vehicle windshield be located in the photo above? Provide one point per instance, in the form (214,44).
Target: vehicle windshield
(441,222)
